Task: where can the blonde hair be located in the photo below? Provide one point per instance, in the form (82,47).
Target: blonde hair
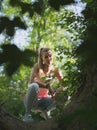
(42,51)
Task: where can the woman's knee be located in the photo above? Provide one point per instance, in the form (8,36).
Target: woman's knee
(34,87)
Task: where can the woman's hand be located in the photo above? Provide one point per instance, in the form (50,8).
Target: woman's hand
(50,89)
(55,95)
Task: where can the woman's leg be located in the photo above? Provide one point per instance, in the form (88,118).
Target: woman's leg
(46,105)
(30,100)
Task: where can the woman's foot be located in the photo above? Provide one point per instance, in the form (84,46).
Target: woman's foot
(28,118)
(45,115)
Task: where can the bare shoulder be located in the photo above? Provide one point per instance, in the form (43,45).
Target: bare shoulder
(34,73)
(36,66)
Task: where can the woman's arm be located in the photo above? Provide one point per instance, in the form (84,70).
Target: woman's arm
(34,77)
(58,74)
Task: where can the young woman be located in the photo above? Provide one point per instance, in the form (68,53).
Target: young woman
(38,82)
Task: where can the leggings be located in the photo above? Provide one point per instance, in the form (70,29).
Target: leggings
(32,101)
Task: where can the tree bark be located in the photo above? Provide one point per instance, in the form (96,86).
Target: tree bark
(85,101)
(9,122)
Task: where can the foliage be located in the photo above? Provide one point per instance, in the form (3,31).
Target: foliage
(64,29)
(10,24)
(12,91)
(74,42)
(47,27)
(75,26)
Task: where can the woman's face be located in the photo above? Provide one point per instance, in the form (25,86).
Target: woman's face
(47,57)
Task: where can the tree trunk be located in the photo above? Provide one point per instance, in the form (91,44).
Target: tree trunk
(81,113)
(9,122)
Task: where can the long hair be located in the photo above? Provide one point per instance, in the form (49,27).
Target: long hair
(42,51)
